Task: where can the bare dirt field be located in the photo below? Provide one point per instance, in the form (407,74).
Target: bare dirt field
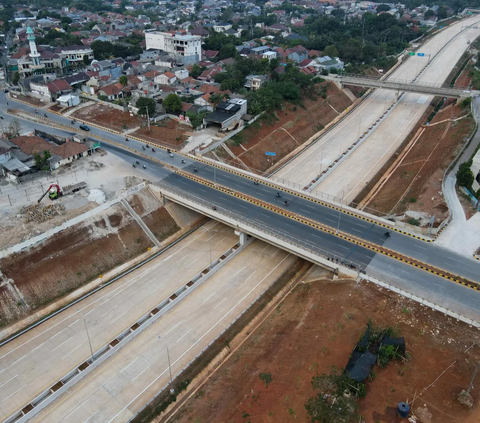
(108,117)
(416,184)
(30,100)
(315,328)
(464,79)
(284,130)
(167,132)
(79,254)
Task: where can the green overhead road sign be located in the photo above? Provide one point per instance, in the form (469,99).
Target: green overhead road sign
(411,53)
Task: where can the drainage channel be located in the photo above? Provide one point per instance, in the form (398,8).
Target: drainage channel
(78,373)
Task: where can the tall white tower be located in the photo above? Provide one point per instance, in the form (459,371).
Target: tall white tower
(34,54)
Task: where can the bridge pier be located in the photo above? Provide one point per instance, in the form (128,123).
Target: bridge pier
(242,236)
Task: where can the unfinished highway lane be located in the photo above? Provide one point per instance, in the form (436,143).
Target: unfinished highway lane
(456,296)
(407,245)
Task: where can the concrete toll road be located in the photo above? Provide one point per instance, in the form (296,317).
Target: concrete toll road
(347,180)
(118,389)
(37,359)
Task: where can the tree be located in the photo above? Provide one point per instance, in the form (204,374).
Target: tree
(442,13)
(86,60)
(429,14)
(41,161)
(196,71)
(172,103)
(14,128)
(15,78)
(123,80)
(266,378)
(331,404)
(465,176)
(383,8)
(330,51)
(66,20)
(144,104)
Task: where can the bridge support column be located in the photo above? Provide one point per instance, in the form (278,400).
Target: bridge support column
(397,93)
(242,236)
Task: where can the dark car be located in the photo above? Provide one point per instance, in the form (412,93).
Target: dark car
(84,127)
(6,91)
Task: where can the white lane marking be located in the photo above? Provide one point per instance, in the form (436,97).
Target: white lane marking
(9,380)
(206,299)
(198,340)
(128,365)
(357,230)
(124,285)
(114,307)
(306,211)
(251,274)
(316,236)
(200,189)
(243,207)
(330,220)
(16,361)
(85,421)
(121,315)
(183,336)
(91,311)
(239,271)
(58,333)
(184,257)
(11,395)
(56,348)
(1,371)
(141,373)
(157,288)
(75,349)
(71,324)
(219,241)
(268,245)
(191,263)
(219,303)
(36,348)
(173,327)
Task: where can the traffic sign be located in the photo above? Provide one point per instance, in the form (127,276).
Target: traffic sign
(411,53)
(421,54)
(269,153)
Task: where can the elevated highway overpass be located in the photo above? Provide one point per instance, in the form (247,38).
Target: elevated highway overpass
(403,86)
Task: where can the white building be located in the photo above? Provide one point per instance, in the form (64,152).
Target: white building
(183,48)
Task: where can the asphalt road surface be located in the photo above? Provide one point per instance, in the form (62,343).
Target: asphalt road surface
(458,297)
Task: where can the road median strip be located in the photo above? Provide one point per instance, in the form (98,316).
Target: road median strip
(327,229)
(264,181)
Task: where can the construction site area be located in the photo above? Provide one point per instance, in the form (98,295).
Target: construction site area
(103,175)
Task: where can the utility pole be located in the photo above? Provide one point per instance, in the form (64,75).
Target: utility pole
(88,335)
(172,390)
(340,212)
(148,119)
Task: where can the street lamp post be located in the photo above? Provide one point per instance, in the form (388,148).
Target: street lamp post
(172,390)
(210,243)
(88,335)
(340,211)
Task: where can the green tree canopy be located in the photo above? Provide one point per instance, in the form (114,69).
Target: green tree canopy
(383,8)
(123,80)
(465,176)
(331,51)
(172,103)
(144,104)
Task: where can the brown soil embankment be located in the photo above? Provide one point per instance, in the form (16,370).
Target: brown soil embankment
(69,260)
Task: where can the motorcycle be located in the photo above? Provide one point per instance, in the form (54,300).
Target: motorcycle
(287,202)
(153,150)
(134,165)
(195,169)
(278,195)
(183,161)
(255,182)
(144,166)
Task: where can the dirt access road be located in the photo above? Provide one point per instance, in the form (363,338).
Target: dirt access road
(316,327)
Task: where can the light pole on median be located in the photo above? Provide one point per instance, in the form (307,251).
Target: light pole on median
(88,335)
(172,390)
(340,211)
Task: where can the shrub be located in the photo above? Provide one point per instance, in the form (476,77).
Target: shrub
(385,354)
